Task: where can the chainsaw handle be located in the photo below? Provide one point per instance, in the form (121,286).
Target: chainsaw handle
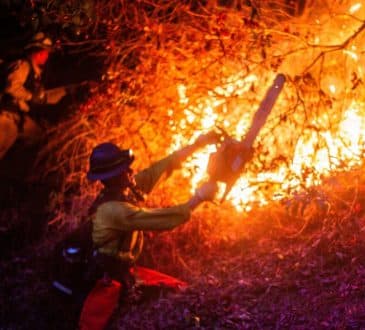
(227,163)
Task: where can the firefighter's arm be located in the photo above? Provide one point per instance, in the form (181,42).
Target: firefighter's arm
(126,217)
(211,137)
(147,179)
(53,96)
(15,85)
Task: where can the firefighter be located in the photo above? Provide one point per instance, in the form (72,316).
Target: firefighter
(23,90)
(118,220)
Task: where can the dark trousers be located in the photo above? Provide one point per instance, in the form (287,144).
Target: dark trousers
(114,268)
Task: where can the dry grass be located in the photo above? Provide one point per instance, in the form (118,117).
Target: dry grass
(166,44)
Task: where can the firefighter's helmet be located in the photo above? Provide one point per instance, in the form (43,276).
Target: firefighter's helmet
(107,161)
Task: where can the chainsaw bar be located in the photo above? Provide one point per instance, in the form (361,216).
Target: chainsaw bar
(226,164)
(259,118)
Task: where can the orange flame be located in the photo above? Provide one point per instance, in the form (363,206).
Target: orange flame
(321,148)
(345,146)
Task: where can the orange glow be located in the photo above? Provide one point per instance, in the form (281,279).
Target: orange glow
(355,7)
(324,133)
(344,146)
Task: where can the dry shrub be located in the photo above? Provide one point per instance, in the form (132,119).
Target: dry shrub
(153,48)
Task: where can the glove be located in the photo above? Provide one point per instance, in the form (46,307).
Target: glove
(205,192)
(53,96)
(211,137)
(204,139)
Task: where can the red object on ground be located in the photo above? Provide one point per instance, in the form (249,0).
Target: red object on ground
(149,277)
(103,299)
(99,305)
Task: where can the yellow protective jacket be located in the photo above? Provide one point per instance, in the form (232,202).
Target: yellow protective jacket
(118,226)
(16,84)
(21,94)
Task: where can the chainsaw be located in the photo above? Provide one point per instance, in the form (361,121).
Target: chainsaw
(227,163)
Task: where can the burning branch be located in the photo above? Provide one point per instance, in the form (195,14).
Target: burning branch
(181,68)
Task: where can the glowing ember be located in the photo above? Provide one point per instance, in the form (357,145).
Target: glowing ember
(355,7)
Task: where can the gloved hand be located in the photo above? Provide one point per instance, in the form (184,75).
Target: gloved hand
(203,140)
(54,95)
(205,192)
(211,137)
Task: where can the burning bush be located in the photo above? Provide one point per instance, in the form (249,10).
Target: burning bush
(176,69)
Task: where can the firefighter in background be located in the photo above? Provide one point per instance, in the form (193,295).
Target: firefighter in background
(119,220)
(23,91)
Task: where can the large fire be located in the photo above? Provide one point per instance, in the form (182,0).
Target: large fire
(331,139)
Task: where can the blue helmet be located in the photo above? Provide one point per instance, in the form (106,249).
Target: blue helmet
(107,161)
